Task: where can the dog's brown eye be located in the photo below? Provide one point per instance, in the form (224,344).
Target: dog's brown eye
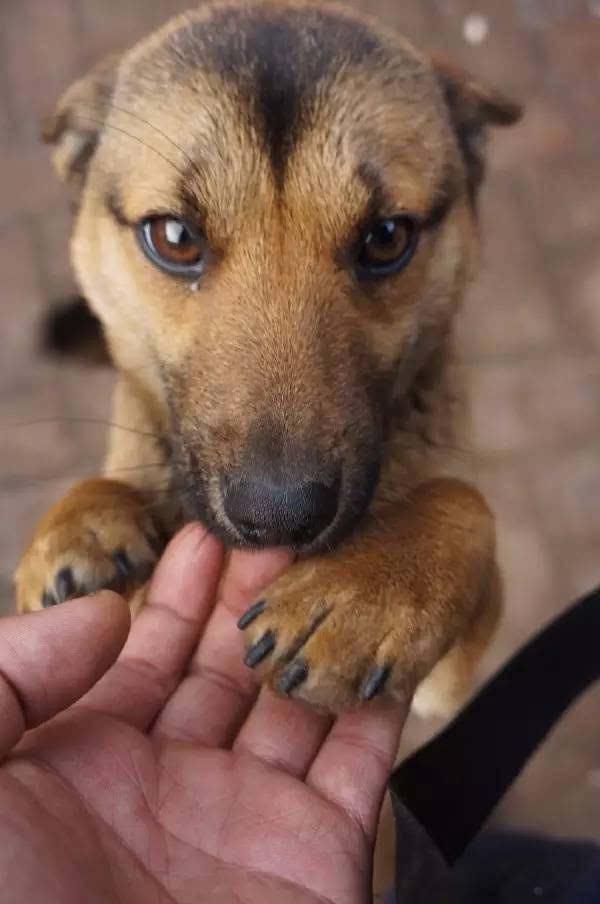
(173,241)
(172,244)
(388,246)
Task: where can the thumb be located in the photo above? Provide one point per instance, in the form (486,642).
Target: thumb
(49,659)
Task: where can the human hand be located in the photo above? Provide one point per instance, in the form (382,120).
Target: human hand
(174,779)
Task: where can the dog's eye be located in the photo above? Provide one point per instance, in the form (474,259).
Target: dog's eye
(172,244)
(388,246)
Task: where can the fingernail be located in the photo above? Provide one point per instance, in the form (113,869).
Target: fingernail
(250,614)
(374,682)
(260,649)
(294,675)
(188,541)
(194,529)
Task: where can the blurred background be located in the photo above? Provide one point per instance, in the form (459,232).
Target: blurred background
(530,331)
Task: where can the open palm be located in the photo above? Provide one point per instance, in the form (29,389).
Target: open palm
(171,780)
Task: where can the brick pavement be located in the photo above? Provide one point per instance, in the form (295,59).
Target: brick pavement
(530,331)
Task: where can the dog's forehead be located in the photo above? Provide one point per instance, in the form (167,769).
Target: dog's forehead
(298,96)
(275,63)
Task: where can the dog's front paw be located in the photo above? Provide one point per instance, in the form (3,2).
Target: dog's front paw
(334,637)
(100,536)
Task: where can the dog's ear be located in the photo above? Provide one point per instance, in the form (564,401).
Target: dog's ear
(473,108)
(75,126)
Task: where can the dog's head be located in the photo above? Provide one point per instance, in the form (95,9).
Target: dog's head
(276,217)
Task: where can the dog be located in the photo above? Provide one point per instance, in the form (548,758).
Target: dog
(276,226)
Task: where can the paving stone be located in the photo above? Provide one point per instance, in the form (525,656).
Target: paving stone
(543,136)
(562,202)
(51,233)
(86,401)
(571,51)
(36,444)
(536,404)
(29,185)
(578,560)
(6,121)
(538,15)
(567,491)
(509,310)
(414,20)
(39,44)
(577,281)
(107,28)
(503,54)
(22,302)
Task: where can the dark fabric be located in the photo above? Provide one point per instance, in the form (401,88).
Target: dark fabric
(505,868)
(422,874)
(517,869)
(453,783)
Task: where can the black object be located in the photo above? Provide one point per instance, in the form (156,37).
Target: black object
(70,329)
(444,792)
(513,868)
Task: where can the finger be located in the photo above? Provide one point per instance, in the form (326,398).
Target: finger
(282,732)
(162,638)
(354,764)
(49,659)
(213,699)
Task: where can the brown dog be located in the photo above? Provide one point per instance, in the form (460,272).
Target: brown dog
(276,227)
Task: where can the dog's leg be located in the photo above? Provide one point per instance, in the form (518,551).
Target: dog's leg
(383,609)
(107,532)
(100,535)
(450,682)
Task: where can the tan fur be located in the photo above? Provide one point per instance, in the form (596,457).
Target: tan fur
(280,344)
(97,519)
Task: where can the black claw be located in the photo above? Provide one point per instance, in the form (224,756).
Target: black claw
(374,682)
(48,599)
(257,652)
(302,638)
(250,614)
(295,674)
(64,585)
(124,565)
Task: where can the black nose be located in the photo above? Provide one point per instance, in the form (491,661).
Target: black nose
(278,512)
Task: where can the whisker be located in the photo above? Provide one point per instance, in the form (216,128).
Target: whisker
(108,125)
(162,496)
(159,494)
(112,106)
(93,471)
(84,420)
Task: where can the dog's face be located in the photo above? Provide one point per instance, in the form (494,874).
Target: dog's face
(276,218)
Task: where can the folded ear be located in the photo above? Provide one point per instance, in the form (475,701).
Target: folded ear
(473,108)
(75,126)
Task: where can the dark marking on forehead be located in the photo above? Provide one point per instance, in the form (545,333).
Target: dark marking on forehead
(278,61)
